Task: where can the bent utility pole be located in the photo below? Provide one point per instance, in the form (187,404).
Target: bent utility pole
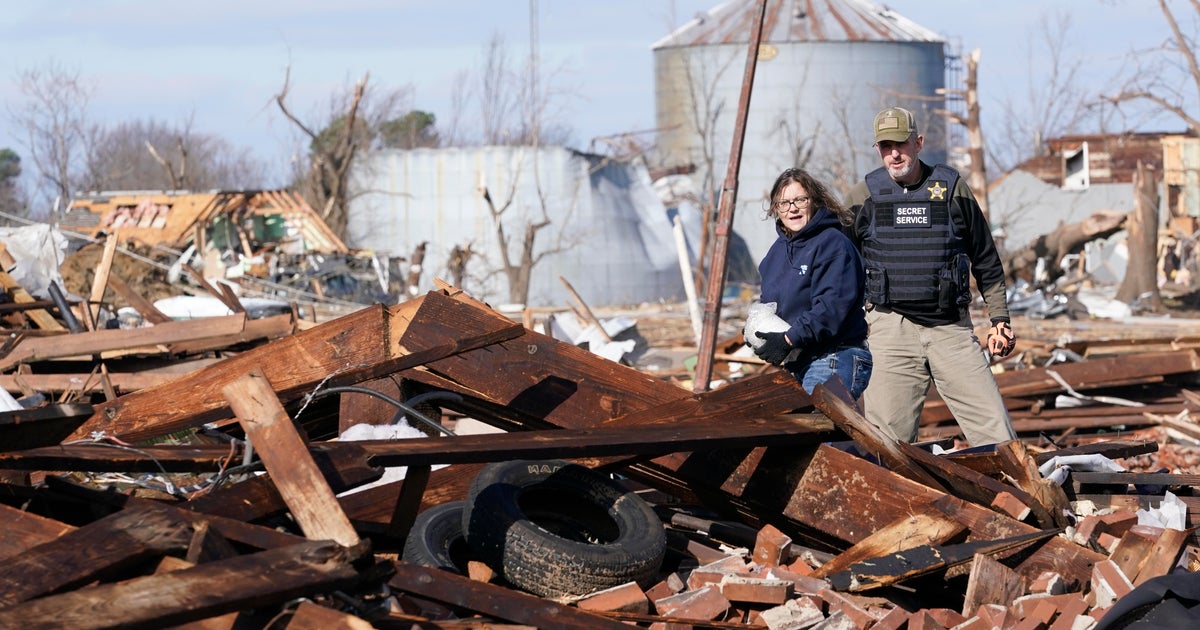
(716,270)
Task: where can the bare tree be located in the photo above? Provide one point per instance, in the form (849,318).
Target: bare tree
(53,117)
(12,200)
(147,154)
(706,105)
(517,107)
(1167,77)
(351,127)
(1053,102)
(515,104)
(520,254)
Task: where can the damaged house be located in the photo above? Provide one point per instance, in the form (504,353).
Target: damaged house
(267,242)
(1078,177)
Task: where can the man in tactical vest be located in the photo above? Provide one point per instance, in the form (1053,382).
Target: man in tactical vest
(922,235)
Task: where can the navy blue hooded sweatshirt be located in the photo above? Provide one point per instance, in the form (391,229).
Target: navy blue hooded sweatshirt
(816,277)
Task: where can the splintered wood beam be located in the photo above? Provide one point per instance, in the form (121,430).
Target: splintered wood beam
(365,344)
(928,526)
(286,458)
(991,582)
(258,580)
(924,560)
(82,555)
(976,487)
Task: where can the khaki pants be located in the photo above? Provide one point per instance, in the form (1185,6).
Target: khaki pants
(908,356)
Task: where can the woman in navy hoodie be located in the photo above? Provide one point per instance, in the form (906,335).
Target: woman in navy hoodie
(815,276)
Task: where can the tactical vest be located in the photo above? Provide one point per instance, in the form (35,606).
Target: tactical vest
(913,251)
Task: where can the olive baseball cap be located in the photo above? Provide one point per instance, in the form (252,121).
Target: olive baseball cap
(894,124)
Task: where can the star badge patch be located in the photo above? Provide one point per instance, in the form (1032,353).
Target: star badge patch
(937,191)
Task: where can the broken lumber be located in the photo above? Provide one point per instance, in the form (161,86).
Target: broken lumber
(360,346)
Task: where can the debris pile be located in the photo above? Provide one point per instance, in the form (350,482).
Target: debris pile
(222,494)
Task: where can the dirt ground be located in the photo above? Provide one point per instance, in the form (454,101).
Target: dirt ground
(147,275)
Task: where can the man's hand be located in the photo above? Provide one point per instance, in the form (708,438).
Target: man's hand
(775,347)
(1001,340)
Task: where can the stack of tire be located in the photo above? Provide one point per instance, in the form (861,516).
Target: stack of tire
(551,528)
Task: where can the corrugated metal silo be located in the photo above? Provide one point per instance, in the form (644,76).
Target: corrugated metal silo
(825,67)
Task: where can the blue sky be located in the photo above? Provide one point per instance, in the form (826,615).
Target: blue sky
(220,62)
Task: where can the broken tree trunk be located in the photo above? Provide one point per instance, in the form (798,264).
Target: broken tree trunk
(1141,272)
(1022,263)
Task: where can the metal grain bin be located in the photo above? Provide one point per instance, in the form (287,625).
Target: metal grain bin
(825,67)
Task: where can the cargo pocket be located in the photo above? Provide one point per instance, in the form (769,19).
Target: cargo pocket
(877,284)
(947,287)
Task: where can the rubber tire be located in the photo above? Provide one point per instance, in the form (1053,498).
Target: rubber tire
(436,539)
(558,529)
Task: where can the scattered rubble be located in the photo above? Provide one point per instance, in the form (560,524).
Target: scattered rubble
(214,489)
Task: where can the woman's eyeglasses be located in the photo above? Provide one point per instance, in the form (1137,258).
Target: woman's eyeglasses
(783,204)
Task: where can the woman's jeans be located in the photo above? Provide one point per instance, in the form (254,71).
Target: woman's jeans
(852,365)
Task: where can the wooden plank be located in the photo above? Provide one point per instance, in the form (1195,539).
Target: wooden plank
(833,399)
(81,383)
(495,601)
(249,534)
(1080,376)
(24,530)
(991,582)
(257,329)
(40,426)
(929,526)
(310,616)
(603,441)
(200,592)
(41,317)
(1080,479)
(286,458)
(360,346)
(989,463)
(824,500)
(139,303)
(221,622)
(94,342)
(100,280)
(1132,551)
(967,484)
(81,555)
(1162,555)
